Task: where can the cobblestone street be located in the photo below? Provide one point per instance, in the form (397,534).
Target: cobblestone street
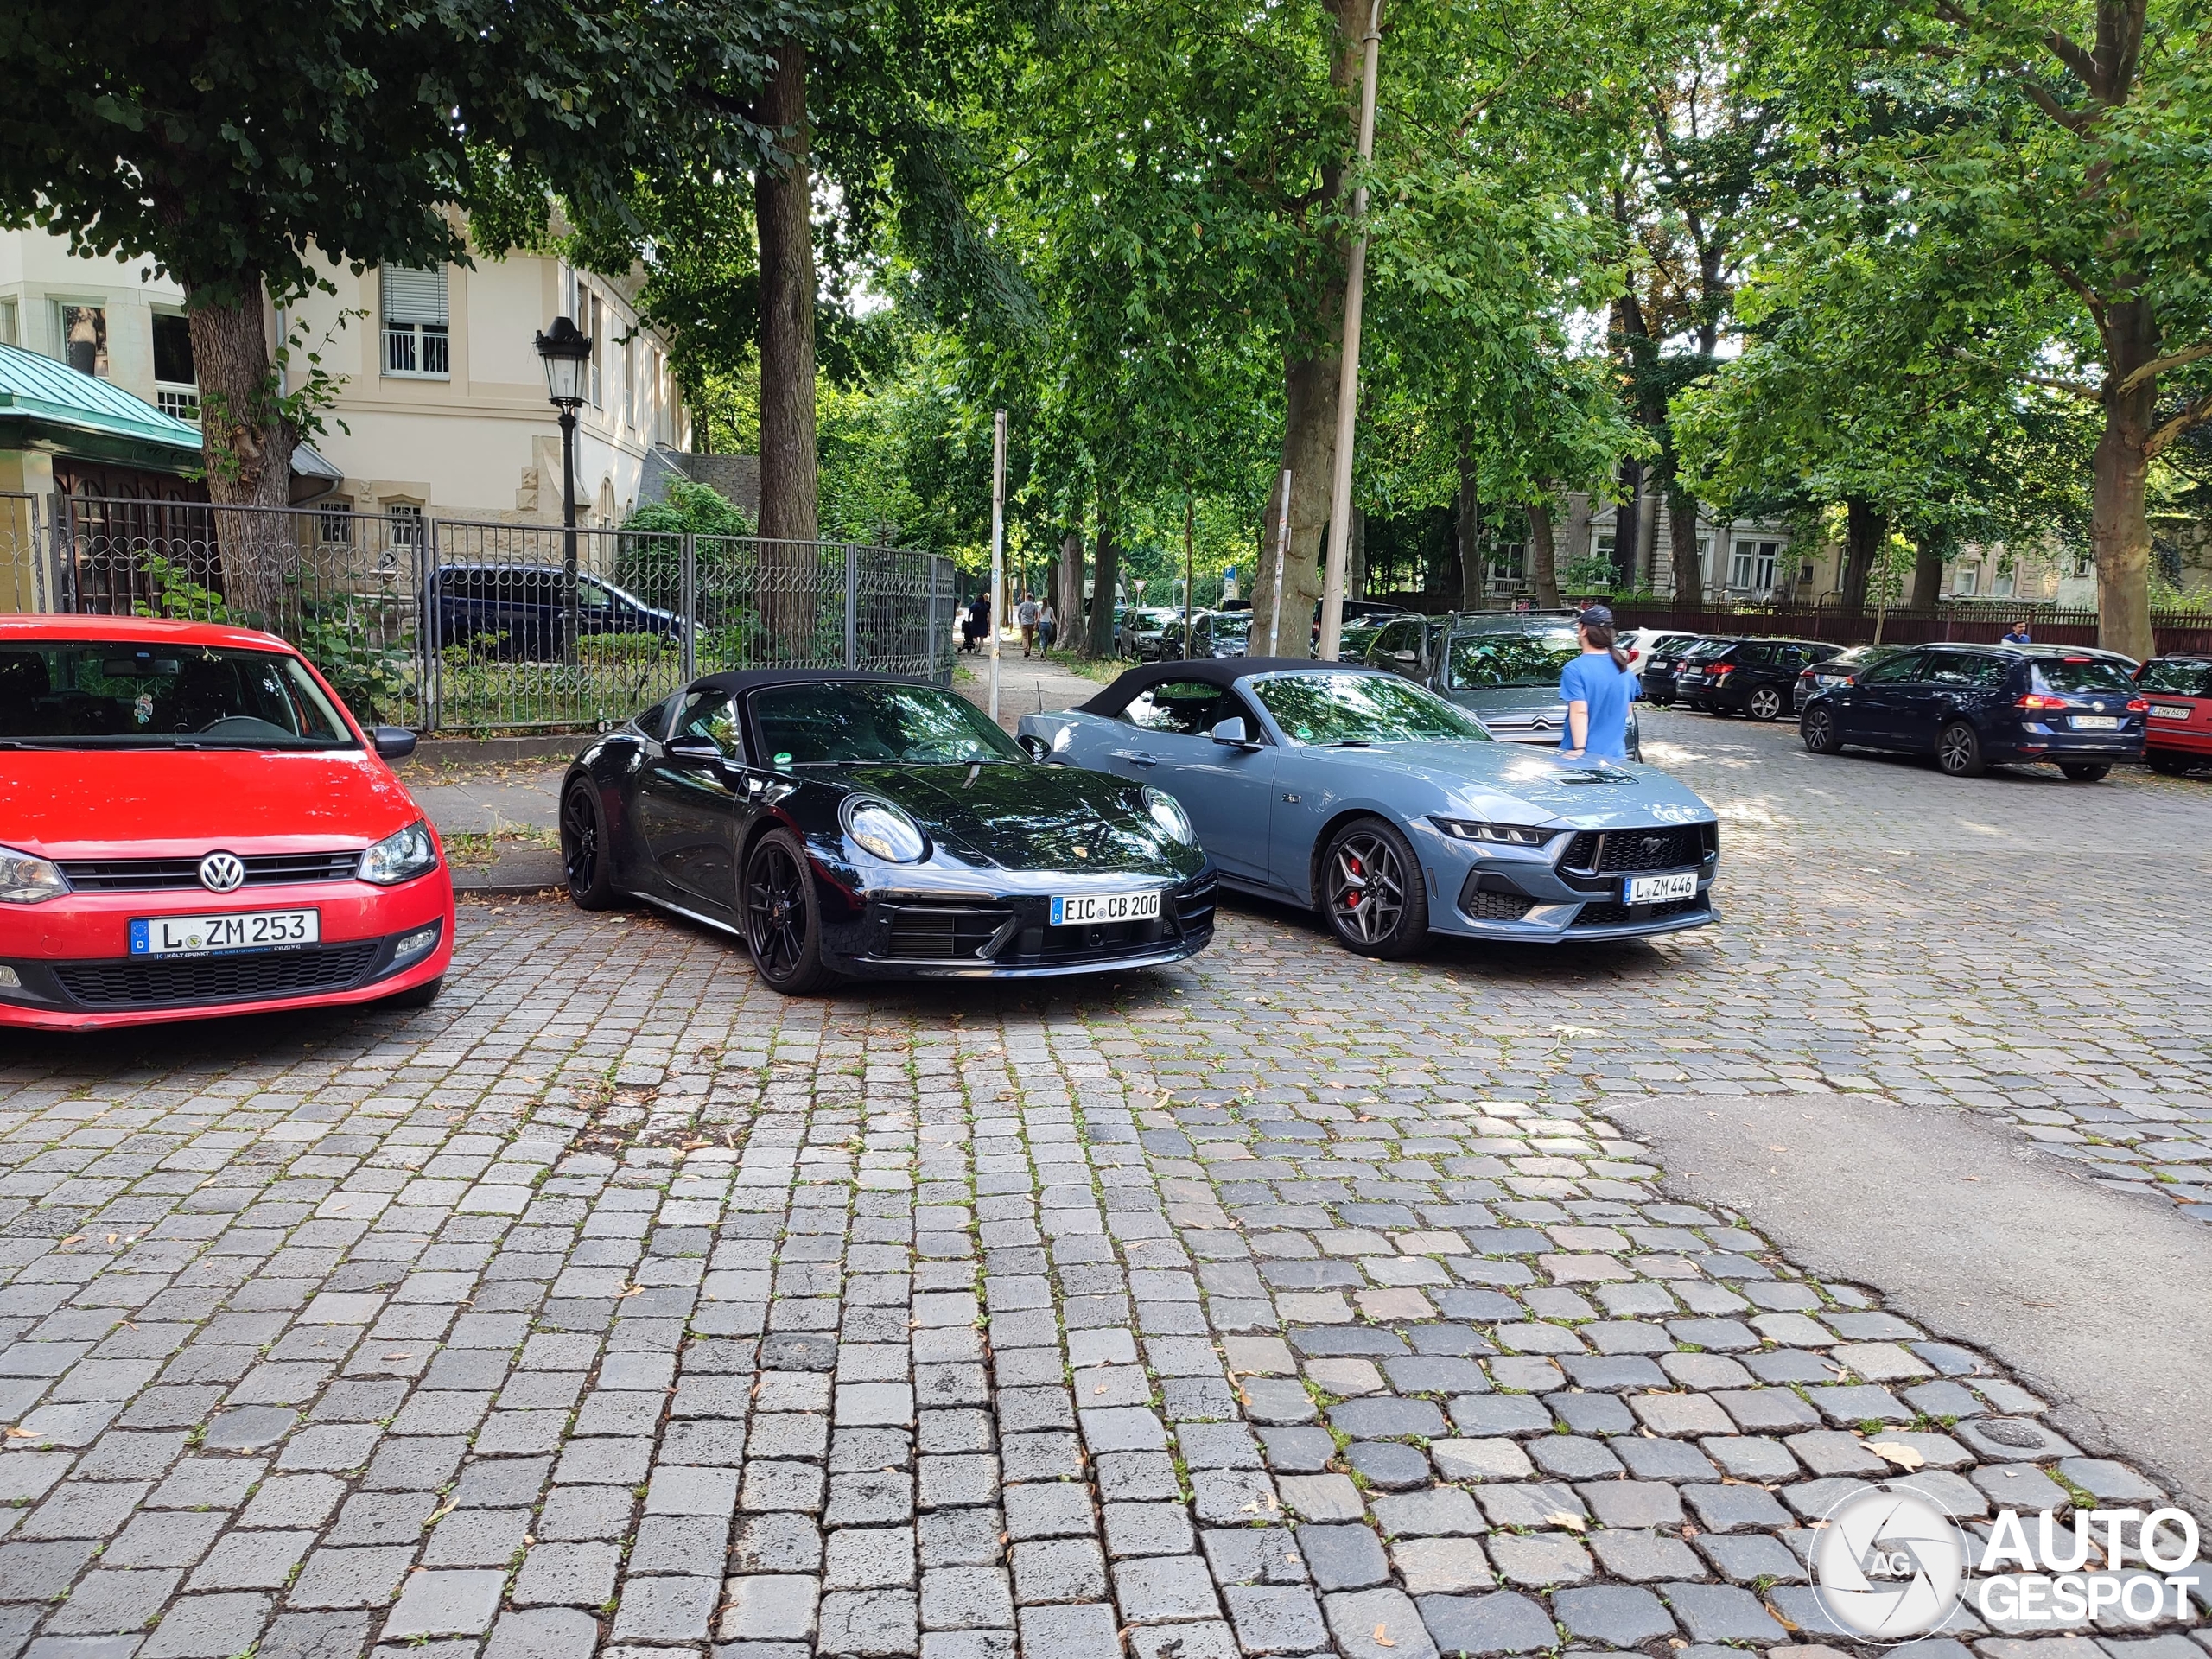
(1280,1303)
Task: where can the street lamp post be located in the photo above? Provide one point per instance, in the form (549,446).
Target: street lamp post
(565,350)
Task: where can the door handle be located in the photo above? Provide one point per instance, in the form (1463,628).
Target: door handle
(1135,758)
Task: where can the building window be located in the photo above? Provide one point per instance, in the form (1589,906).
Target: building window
(1968,582)
(2002,588)
(84,337)
(10,328)
(1508,563)
(1751,566)
(598,332)
(629,381)
(406,518)
(333,524)
(176,386)
(416,323)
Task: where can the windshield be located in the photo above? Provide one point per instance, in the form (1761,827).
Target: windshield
(2178,679)
(1232,627)
(2081,674)
(129,694)
(845,723)
(1482,662)
(1361,709)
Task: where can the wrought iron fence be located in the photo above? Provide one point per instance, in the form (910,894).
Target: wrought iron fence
(449,625)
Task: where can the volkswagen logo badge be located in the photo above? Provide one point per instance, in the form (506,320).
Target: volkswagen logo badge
(221,872)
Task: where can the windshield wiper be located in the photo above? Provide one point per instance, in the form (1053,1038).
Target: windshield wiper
(1351,743)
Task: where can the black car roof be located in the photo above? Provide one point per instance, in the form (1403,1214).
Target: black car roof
(1223,671)
(737,681)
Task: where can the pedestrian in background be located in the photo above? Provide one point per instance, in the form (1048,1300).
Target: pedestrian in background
(1596,687)
(1048,628)
(2019,636)
(1026,614)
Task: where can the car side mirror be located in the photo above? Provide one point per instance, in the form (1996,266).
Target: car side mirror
(1231,731)
(1406,656)
(1033,746)
(697,750)
(393,742)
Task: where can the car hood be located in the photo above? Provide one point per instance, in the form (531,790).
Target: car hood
(1521,784)
(1031,817)
(156,803)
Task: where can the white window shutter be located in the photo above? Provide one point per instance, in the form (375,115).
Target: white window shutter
(416,296)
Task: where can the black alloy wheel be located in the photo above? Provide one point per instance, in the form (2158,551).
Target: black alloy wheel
(1818,729)
(584,851)
(1958,751)
(1765,704)
(782,927)
(1372,893)
(2086,772)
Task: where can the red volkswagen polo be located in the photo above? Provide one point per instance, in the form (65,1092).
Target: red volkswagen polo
(191,823)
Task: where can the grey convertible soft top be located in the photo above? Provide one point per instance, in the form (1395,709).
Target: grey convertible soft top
(1223,671)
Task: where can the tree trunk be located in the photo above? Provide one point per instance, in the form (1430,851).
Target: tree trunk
(784,212)
(1105,573)
(246,445)
(1865,529)
(1543,556)
(1628,522)
(1682,540)
(1356,557)
(1467,526)
(1312,359)
(1928,570)
(1309,448)
(2118,523)
(1067,602)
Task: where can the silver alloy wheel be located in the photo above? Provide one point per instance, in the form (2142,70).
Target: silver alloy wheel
(1367,888)
(1766,703)
(1958,751)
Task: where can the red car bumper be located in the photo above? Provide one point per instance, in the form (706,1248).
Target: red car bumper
(70,955)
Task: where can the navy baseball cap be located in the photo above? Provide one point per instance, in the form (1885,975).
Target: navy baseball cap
(1594,616)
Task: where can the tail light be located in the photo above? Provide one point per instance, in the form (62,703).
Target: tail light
(2138,705)
(2037,700)
(1721,669)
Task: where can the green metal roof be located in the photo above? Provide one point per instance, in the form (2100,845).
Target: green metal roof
(48,405)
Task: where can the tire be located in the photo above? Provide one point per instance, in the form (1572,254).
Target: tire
(1372,891)
(1764,704)
(1958,751)
(1817,727)
(2172,765)
(586,858)
(2086,772)
(415,996)
(783,925)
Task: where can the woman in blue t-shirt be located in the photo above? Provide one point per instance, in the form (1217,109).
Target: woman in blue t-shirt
(1596,687)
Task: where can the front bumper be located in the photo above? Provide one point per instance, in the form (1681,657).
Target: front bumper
(71,955)
(924,934)
(1481,892)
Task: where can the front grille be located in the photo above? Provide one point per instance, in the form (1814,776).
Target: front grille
(1613,852)
(1616,915)
(933,933)
(181,983)
(1194,905)
(179,875)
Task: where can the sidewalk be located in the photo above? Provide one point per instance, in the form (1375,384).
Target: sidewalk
(1027,685)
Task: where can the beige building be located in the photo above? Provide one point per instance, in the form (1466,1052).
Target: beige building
(440,408)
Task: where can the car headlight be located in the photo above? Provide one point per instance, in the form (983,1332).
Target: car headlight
(1506,835)
(27,879)
(1168,812)
(883,829)
(401,856)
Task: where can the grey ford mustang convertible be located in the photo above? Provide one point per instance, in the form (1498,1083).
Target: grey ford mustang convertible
(862,824)
(1393,812)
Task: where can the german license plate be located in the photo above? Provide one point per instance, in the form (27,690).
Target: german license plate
(1091,909)
(207,935)
(2169,711)
(1692,677)
(1658,889)
(2096,722)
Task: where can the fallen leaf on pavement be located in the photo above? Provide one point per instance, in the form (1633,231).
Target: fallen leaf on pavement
(1383,1639)
(1897,1452)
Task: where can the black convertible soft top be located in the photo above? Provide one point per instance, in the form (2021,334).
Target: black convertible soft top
(738,680)
(1223,671)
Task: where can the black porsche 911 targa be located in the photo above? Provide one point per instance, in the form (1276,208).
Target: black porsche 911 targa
(864,824)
